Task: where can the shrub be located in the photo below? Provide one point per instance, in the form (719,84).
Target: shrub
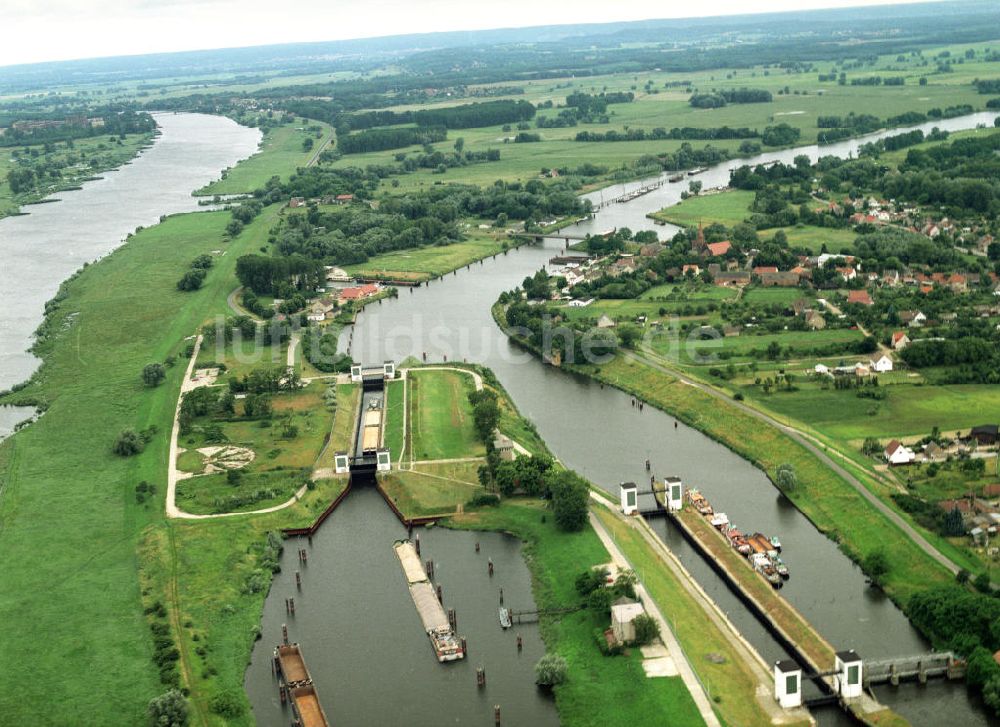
(569,501)
(226,704)
(550,670)
(786,477)
(646,629)
(168,710)
(153,374)
(485,499)
(129,443)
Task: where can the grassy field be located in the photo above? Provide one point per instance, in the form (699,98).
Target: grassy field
(600,690)
(727,208)
(87,158)
(344,420)
(433,489)
(907,411)
(61,473)
(394,434)
(280,154)
(423,263)
(732,207)
(440,417)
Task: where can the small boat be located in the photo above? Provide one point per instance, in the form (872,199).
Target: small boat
(504,617)
(772,577)
(675,177)
(720,521)
(776,543)
(700,503)
(779,565)
(697,170)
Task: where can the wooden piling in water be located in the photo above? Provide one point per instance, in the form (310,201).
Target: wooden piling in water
(298,580)
(520,642)
(440,597)
(284,633)
(489,567)
(501,595)
(451,618)
(496,714)
(477,546)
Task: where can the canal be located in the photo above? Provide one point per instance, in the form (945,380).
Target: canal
(596,431)
(361,636)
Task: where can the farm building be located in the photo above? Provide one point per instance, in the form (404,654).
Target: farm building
(985,434)
(900,341)
(896,453)
(883,365)
(860,297)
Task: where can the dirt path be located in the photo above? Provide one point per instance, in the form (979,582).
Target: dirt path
(173,474)
(815,449)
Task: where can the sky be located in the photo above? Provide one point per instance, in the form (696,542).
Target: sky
(48,30)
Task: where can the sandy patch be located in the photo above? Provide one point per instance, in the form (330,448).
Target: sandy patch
(224,458)
(789,113)
(204,377)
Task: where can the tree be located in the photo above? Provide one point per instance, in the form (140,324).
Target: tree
(695,186)
(459,145)
(129,443)
(982,583)
(569,500)
(168,710)
(876,565)
(153,374)
(786,478)
(551,670)
(191,280)
(646,629)
(991,693)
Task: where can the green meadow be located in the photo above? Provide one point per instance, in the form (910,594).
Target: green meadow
(440,416)
(280,154)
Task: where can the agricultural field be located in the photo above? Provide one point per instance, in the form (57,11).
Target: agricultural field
(803,98)
(281,153)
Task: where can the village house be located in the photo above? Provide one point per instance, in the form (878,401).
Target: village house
(717,249)
(623,615)
(765,269)
(900,341)
(359,292)
(897,454)
(297,202)
(504,447)
(847,273)
(985,434)
(934,453)
(605,322)
(651,250)
(344,198)
(860,297)
(883,365)
(912,318)
(580,303)
(693,269)
(320,311)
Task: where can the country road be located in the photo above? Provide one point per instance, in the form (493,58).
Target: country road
(800,438)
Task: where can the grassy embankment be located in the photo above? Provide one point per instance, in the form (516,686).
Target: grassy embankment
(280,154)
(87,158)
(425,263)
(67,495)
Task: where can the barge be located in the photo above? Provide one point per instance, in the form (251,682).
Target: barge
(760,550)
(447,646)
(296,684)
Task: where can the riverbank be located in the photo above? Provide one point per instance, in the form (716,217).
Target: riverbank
(82,162)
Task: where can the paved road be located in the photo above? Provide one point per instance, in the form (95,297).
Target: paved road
(800,438)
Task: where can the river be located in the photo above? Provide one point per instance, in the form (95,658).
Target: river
(595,430)
(46,246)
